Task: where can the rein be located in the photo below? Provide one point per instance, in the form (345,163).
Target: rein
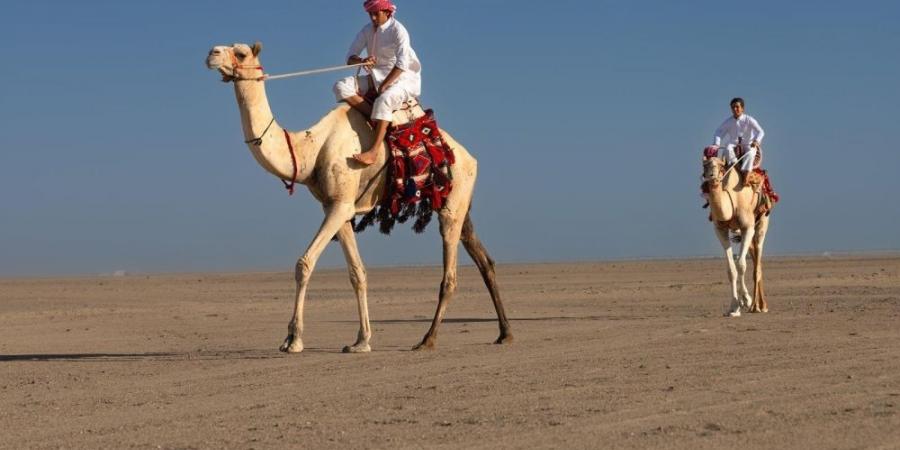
(735,164)
(234,77)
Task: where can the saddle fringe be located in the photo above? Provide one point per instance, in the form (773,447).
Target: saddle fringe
(381,215)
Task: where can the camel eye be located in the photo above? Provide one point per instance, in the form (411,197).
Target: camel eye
(240,55)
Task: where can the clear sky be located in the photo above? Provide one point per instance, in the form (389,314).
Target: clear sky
(121,151)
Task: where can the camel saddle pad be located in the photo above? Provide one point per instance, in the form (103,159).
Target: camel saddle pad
(418,178)
(419,165)
(763,185)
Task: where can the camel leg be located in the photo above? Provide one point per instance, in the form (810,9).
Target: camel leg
(486,266)
(336,216)
(747,235)
(451,228)
(735,309)
(752,253)
(358,280)
(759,295)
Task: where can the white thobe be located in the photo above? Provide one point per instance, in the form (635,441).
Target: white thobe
(744,130)
(390,46)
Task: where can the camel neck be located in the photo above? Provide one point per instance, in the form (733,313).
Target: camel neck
(720,205)
(267,139)
(723,199)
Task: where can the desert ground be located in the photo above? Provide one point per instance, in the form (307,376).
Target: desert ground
(606,355)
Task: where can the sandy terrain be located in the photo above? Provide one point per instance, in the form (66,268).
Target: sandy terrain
(607,355)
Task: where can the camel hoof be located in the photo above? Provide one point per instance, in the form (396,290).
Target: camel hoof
(505,338)
(291,345)
(426,344)
(357,348)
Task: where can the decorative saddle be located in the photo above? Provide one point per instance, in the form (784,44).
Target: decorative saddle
(418,178)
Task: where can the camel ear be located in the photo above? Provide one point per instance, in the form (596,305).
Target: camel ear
(257,47)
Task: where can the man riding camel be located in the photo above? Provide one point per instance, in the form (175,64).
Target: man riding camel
(739,130)
(394,72)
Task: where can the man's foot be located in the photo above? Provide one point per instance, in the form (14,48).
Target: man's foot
(368,157)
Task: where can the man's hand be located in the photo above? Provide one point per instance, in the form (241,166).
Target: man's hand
(390,79)
(369,61)
(754,144)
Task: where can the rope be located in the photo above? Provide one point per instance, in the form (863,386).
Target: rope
(734,165)
(290,186)
(313,71)
(258,141)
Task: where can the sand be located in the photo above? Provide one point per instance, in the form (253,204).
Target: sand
(606,355)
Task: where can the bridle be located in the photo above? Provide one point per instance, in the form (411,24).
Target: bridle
(712,178)
(235,66)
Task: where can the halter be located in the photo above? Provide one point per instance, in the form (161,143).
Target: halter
(235,66)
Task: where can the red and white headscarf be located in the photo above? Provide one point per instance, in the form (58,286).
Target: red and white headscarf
(379,5)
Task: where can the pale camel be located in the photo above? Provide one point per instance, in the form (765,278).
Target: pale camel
(734,209)
(324,163)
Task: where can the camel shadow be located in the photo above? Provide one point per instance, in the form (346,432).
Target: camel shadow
(483,320)
(156,356)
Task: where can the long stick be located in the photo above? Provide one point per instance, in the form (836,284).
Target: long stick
(310,72)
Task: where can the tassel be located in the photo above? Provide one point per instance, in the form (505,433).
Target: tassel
(385,220)
(367,220)
(386,226)
(410,188)
(408,211)
(421,223)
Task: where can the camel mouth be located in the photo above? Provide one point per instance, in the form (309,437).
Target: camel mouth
(213,63)
(711,169)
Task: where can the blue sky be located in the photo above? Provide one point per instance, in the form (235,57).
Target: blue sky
(121,151)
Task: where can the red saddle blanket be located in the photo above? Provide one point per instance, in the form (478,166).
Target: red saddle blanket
(418,177)
(767,186)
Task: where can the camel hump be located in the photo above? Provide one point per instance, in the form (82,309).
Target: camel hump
(409,111)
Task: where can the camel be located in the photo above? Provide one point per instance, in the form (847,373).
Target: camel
(321,158)
(734,209)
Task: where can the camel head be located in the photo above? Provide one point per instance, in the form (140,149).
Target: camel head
(713,170)
(237,62)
